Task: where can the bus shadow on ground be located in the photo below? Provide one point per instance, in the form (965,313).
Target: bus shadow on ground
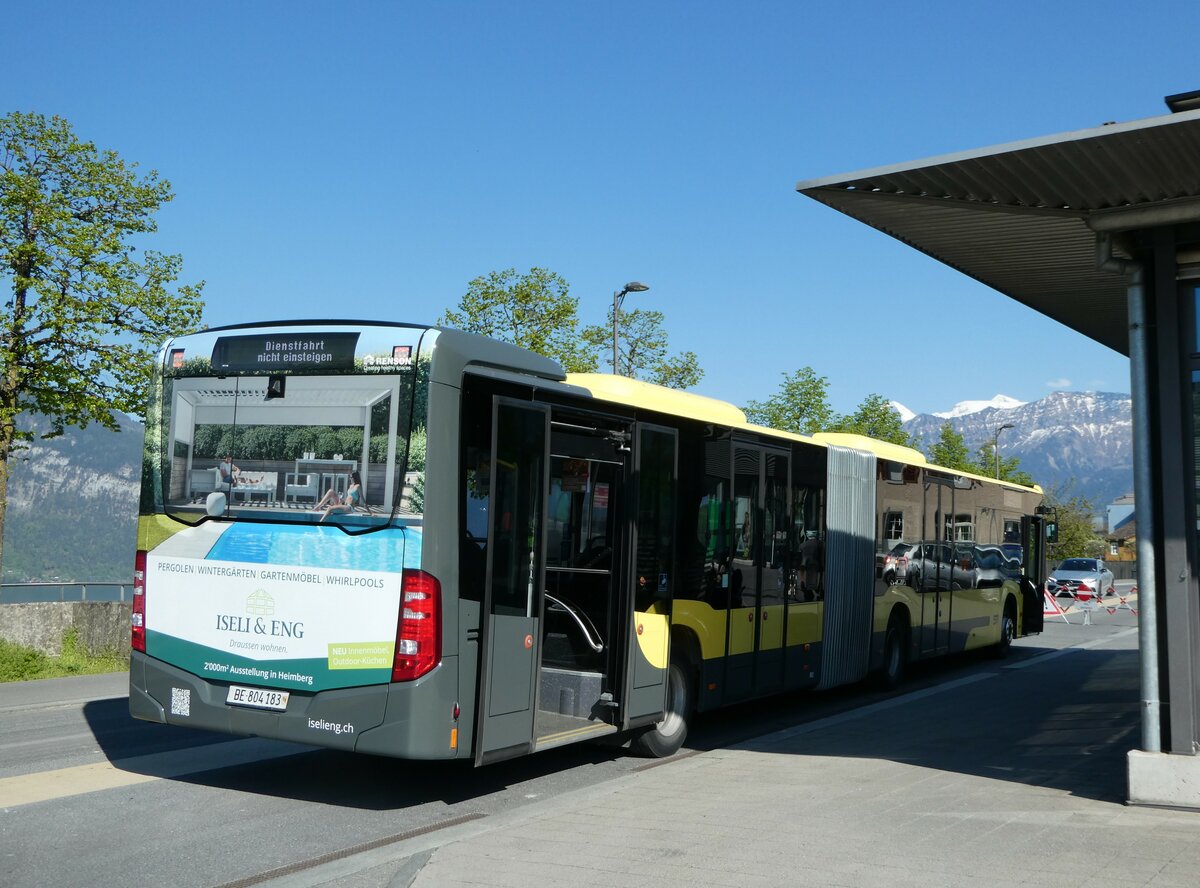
(120,736)
(375,783)
(1065,725)
(325,776)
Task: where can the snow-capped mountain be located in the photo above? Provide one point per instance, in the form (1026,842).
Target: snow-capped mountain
(966,408)
(1076,443)
(905,413)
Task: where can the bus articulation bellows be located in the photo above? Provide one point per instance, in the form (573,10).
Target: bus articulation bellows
(411,541)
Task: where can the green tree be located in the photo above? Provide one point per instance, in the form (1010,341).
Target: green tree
(950,451)
(642,349)
(1077,537)
(876,418)
(84,313)
(533,310)
(801,404)
(1010,466)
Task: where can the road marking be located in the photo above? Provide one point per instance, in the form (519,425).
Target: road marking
(47,785)
(44,786)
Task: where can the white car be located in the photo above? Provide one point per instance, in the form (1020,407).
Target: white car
(1081,576)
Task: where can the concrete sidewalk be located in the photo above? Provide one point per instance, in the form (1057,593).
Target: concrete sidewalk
(1010,775)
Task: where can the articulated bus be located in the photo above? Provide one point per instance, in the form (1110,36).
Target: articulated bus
(411,541)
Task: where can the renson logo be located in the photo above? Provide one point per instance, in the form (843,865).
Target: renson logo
(401,356)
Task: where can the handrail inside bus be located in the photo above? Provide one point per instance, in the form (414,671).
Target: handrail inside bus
(579,618)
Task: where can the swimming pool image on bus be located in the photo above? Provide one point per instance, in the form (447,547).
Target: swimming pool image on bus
(381,550)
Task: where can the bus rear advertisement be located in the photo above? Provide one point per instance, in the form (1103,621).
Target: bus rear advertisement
(411,541)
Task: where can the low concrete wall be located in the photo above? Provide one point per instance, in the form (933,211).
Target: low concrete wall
(102,626)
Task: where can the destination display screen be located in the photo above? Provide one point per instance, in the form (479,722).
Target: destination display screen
(285,351)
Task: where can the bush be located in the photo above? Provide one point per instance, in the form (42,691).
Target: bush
(18,663)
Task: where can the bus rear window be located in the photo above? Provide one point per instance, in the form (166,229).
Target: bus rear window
(344,448)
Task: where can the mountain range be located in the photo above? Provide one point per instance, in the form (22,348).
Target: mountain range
(73,500)
(1071,443)
(72,506)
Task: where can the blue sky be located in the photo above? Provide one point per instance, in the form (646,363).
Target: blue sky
(368,159)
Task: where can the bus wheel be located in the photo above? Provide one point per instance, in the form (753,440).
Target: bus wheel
(895,654)
(1008,630)
(665,738)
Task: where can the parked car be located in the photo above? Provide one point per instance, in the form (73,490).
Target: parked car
(938,565)
(1077,576)
(893,566)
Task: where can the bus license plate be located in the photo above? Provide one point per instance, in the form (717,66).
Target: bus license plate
(259,698)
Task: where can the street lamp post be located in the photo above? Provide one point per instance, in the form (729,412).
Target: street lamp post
(996,446)
(618,298)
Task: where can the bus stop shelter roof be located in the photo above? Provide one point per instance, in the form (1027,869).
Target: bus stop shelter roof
(1023,217)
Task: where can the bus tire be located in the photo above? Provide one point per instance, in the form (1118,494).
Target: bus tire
(895,653)
(666,737)
(1008,630)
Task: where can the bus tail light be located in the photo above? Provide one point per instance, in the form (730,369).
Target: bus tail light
(419,629)
(137,617)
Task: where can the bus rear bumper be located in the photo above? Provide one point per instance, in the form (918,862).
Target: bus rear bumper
(401,720)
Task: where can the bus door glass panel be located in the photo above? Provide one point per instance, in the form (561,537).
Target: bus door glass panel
(513,600)
(705,553)
(948,569)
(1032,573)
(805,587)
(476,492)
(775,572)
(932,573)
(744,579)
(654,572)
(744,561)
(581,542)
(714,529)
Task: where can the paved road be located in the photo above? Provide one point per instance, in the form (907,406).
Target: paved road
(90,797)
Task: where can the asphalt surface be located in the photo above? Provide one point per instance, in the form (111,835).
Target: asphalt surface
(1008,775)
(978,772)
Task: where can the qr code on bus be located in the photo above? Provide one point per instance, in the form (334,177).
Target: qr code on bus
(181,701)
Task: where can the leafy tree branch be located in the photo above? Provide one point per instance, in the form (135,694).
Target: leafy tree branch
(85,312)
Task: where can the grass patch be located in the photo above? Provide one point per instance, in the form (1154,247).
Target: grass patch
(19,663)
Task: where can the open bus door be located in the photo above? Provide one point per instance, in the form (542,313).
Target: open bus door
(656,474)
(1033,573)
(512,604)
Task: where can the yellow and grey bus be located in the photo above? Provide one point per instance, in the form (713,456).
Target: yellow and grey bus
(412,541)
